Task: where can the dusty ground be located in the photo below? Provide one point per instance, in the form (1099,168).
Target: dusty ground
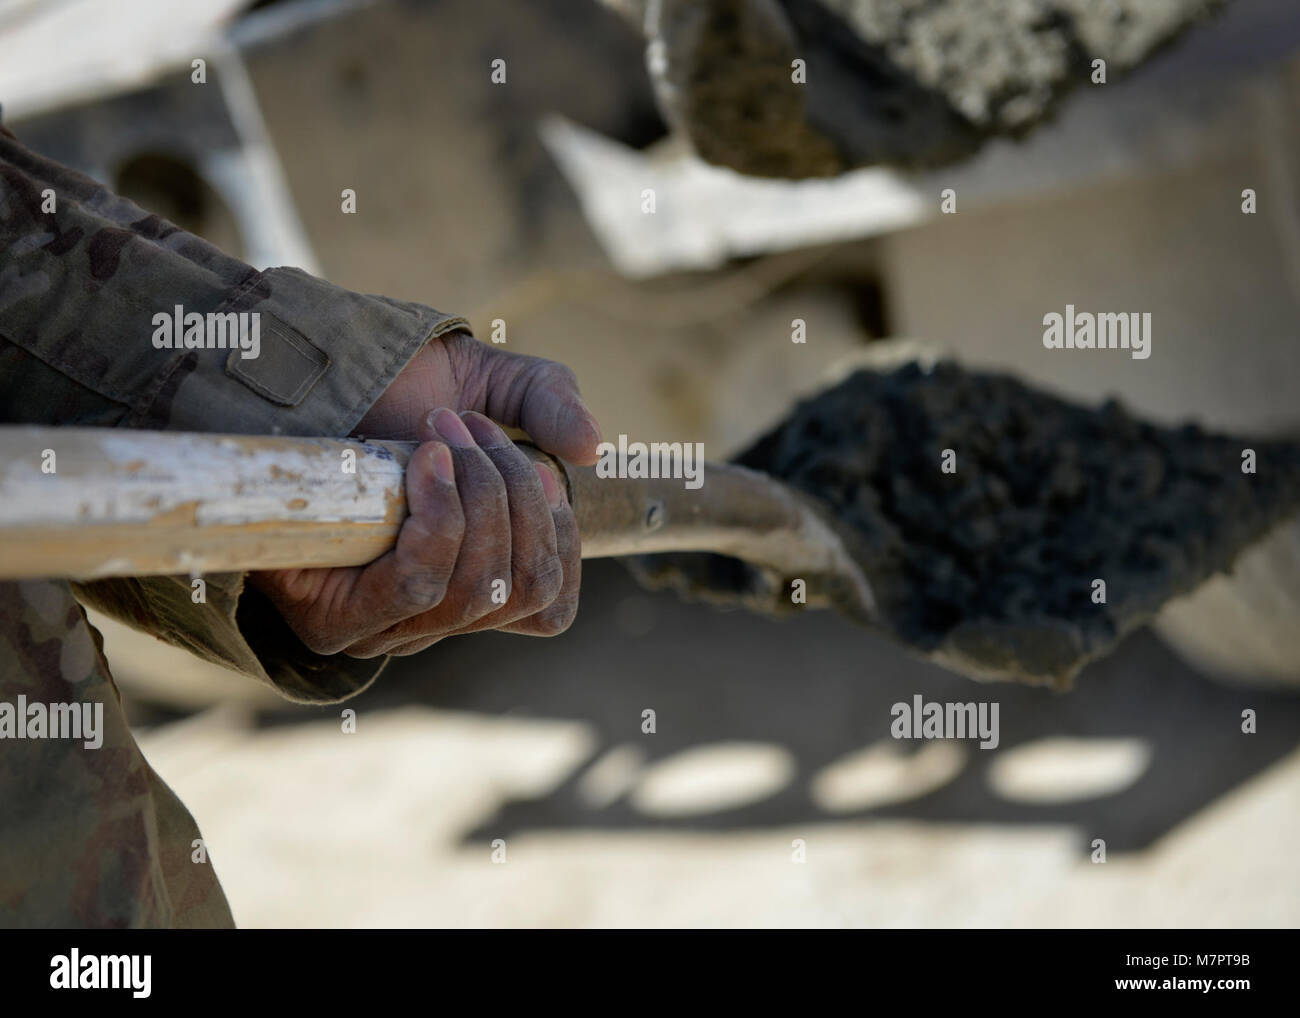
(767,732)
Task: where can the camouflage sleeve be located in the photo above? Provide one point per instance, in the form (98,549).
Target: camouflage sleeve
(90,289)
(93,837)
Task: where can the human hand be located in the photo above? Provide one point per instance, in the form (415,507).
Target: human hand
(490,542)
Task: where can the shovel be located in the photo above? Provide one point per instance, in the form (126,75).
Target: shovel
(999,531)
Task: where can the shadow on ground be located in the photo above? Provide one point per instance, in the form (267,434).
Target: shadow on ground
(822,690)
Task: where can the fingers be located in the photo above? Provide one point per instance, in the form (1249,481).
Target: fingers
(553,618)
(415,575)
(517,567)
(541,397)
(490,542)
(557,616)
(536,570)
(480,580)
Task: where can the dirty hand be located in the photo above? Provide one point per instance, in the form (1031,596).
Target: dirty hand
(486,525)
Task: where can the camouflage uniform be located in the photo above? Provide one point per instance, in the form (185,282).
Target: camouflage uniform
(93,837)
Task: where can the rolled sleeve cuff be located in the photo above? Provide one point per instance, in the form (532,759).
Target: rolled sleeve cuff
(323,356)
(236,627)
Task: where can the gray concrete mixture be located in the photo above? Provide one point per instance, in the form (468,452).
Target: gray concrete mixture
(914,83)
(993,568)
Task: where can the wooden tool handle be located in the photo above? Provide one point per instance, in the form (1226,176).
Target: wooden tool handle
(94,502)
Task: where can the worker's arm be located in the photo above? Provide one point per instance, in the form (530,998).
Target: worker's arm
(83,275)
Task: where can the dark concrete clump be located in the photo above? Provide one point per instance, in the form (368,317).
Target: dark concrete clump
(991,568)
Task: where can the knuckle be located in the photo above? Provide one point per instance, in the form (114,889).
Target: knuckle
(442,533)
(486,505)
(516,469)
(461,612)
(492,594)
(415,646)
(449,527)
(555,380)
(426,560)
(320,639)
(368,649)
(556,619)
(423,588)
(473,607)
(294,592)
(560,373)
(540,583)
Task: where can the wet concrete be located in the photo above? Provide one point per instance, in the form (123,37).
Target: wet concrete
(1003,64)
(992,566)
(987,67)
(911,83)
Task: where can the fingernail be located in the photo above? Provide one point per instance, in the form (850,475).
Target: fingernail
(450,427)
(443,469)
(550,485)
(484,430)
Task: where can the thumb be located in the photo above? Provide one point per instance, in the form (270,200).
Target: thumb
(541,397)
